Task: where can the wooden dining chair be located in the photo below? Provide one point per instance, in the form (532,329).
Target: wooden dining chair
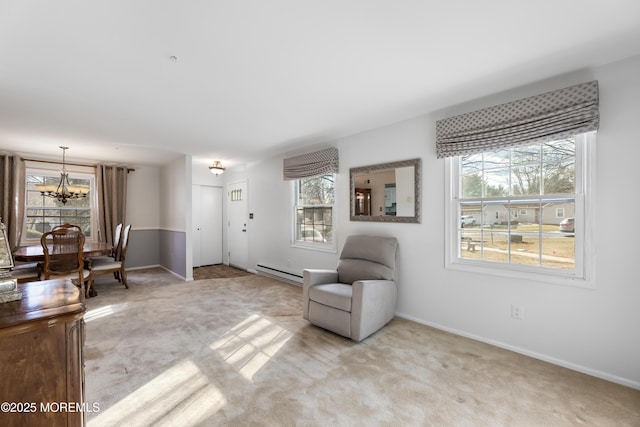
(63,257)
(115,266)
(117,239)
(115,250)
(67,226)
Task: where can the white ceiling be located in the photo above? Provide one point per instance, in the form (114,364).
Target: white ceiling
(254,77)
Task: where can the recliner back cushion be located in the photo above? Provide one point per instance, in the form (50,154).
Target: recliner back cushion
(379,249)
(350,270)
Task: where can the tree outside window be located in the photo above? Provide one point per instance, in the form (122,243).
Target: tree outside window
(43,213)
(314,206)
(517,197)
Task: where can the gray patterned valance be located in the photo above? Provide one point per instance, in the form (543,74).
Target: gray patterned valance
(552,115)
(311,164)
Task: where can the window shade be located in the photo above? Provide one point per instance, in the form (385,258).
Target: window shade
(311,164)
(546,117)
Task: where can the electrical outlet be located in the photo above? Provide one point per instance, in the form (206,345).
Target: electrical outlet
(517,312)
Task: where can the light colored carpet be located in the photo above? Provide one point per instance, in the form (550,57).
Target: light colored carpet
(236,352)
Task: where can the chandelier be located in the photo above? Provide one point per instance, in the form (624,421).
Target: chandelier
(217,168)
(63,191)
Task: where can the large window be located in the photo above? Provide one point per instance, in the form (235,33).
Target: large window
(42,213)
(313,211)
(522,209)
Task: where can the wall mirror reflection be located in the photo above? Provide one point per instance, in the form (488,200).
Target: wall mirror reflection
(386,192)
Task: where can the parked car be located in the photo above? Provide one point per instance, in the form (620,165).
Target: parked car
(567,225)
(466,220)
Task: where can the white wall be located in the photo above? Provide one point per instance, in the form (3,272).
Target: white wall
(175,196)
(175,217)
(143,197)
(270,230)
(143,213)
(591,330)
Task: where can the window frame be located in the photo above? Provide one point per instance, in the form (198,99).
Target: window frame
(583,274)
(80,172)
(318,246)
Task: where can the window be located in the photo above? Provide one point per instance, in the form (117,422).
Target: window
(518,198)
(313,211)
(42,213)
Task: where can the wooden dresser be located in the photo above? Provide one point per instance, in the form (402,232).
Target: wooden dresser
(41,356)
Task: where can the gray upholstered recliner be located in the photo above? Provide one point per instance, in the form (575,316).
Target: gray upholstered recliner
(359,297)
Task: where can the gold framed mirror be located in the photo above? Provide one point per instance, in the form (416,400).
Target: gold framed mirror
(386,192)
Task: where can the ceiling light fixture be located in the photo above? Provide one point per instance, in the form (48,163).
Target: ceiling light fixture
(217,168)
(63,191)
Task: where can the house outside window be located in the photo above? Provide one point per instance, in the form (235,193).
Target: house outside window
(518,196)
(313,212)
(43,213)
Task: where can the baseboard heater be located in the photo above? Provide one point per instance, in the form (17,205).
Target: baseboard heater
(296,279)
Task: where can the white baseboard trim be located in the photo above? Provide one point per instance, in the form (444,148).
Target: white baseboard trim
(565,364)
(283,276)
(145,267)
(173,273)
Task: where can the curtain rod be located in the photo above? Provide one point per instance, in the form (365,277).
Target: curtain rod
(69,163)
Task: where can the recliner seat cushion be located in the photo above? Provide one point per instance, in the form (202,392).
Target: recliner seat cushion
(337,295)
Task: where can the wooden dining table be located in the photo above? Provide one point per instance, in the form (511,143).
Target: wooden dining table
(36,253)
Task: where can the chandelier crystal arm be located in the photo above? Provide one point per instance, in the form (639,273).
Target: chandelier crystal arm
(63,191)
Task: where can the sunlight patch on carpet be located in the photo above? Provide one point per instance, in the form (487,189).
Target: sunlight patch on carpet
(181,395)
(104,311)
(249,345)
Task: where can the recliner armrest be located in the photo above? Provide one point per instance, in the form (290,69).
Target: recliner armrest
(319,277)
(373,304)
(312,277)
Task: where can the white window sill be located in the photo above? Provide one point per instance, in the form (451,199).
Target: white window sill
(505,271)
(320,247)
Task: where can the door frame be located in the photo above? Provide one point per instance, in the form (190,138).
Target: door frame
(244,246)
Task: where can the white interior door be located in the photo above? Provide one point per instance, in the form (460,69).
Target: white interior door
(195,224)
(207,225)
(238,233)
